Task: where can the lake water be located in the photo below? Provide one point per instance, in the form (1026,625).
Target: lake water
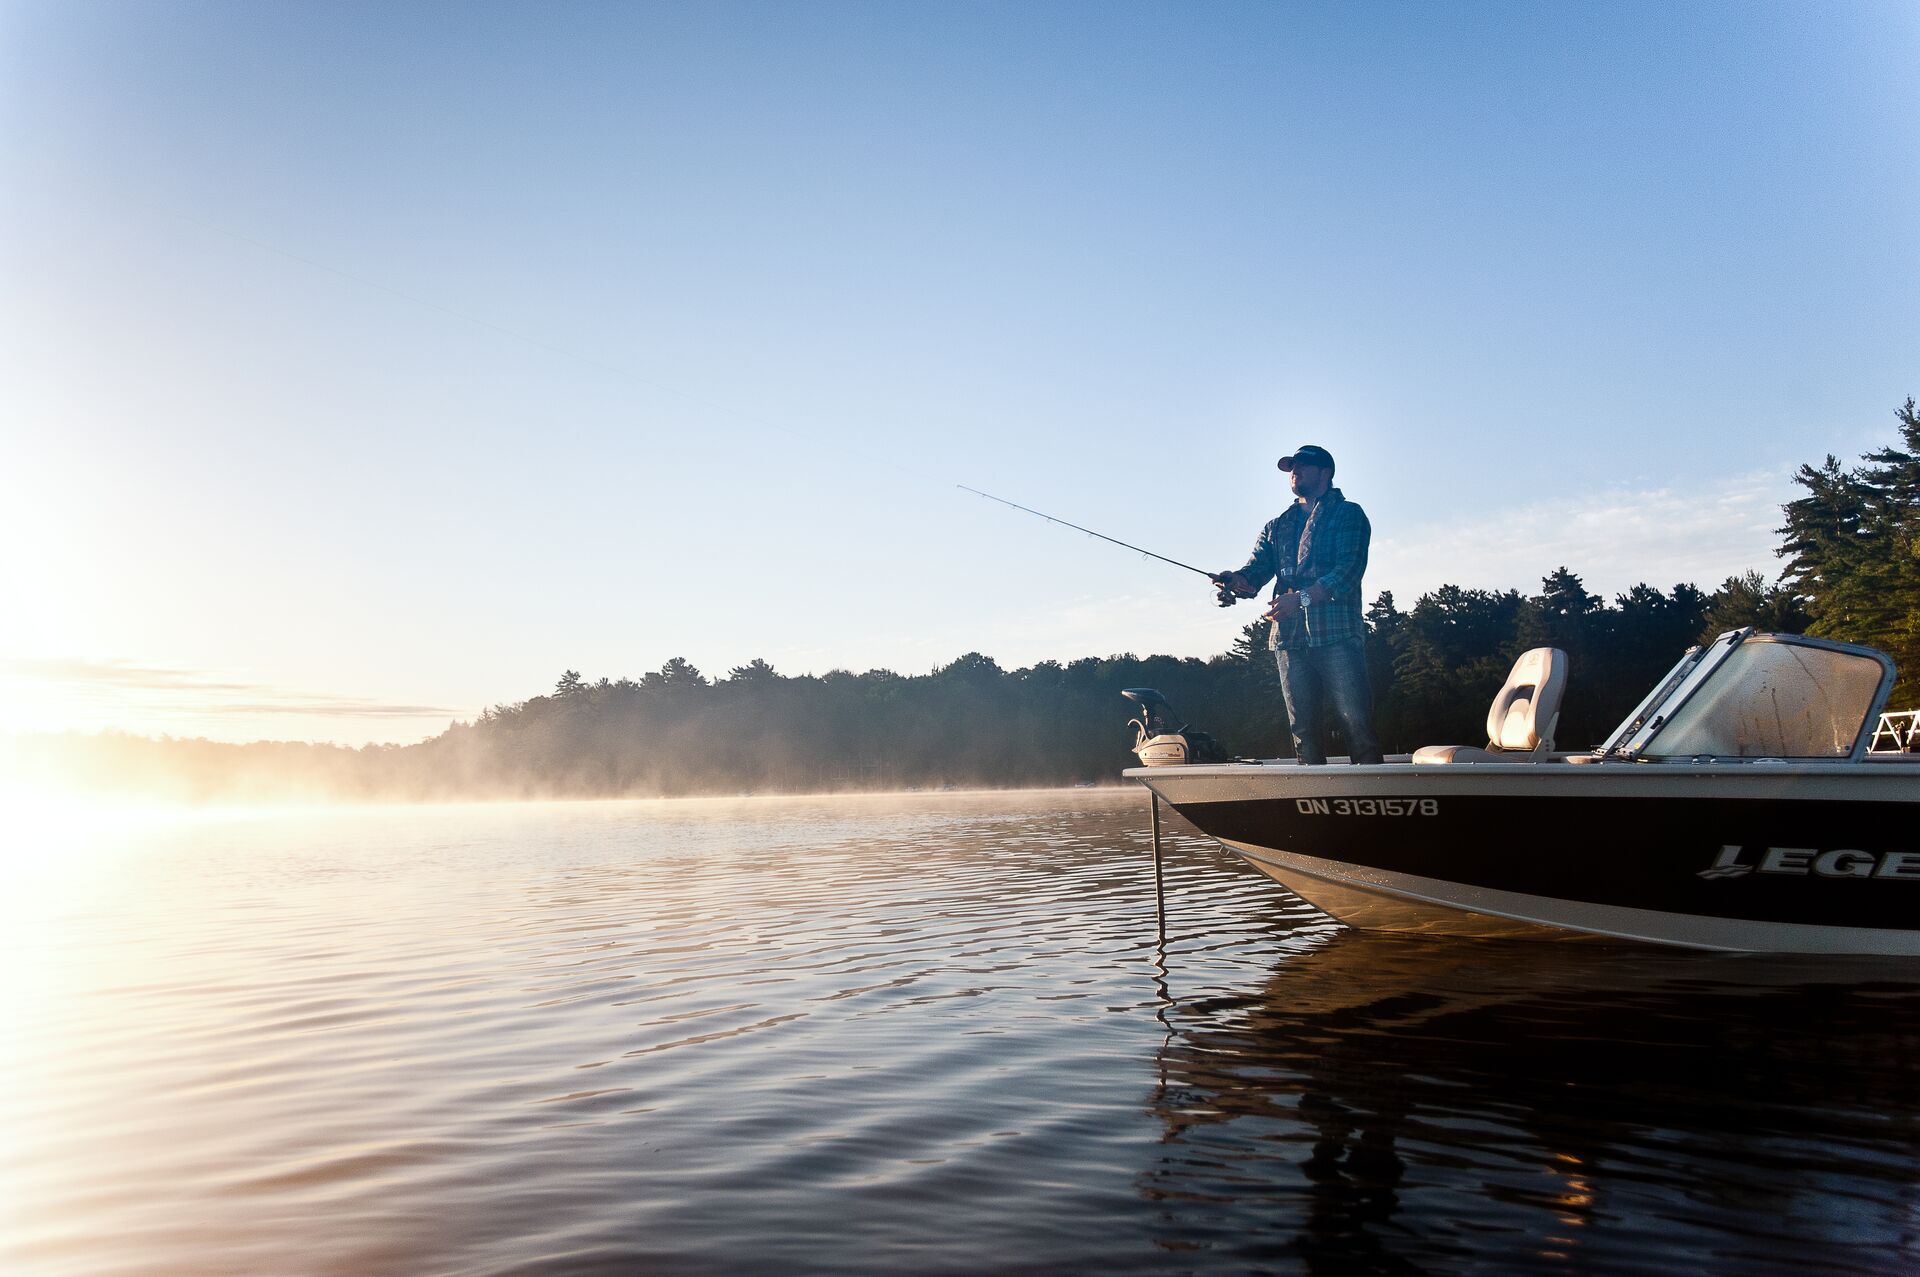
(934,1033)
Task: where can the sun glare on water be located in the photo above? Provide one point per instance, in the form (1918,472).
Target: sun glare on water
(59,851)
(67,860)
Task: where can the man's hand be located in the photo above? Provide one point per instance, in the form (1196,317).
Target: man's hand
(1284,607)
(1233,581)
(1229,586)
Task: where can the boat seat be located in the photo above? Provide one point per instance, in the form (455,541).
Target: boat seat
(1520,724)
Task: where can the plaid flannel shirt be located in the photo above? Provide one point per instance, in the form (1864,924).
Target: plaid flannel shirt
(1336,558)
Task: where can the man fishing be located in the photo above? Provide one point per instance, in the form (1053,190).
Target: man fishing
(1315,555)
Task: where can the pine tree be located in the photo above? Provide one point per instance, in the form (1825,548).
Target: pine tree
(1891,483)
(1746,600)
(1852,546)
(1826,548)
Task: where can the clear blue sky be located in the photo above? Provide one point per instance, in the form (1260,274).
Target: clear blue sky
(367,364)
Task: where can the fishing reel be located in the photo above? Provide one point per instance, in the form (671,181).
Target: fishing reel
(1224,592)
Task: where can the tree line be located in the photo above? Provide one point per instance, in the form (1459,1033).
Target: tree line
(1852,546)
(1852,572)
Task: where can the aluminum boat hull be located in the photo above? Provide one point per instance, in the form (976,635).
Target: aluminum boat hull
(1762,857)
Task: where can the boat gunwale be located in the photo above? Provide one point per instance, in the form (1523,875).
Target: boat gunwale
(1873,764)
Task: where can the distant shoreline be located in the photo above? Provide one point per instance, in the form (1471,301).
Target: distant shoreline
(294,802)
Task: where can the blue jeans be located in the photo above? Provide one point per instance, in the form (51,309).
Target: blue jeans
(1319,680)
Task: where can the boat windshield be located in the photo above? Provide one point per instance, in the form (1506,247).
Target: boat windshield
(1772,698)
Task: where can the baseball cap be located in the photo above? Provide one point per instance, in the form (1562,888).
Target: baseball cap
(1308,454)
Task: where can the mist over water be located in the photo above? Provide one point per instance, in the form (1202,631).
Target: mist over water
(933,1032)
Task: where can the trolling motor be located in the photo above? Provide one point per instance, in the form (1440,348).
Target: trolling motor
(1158,742)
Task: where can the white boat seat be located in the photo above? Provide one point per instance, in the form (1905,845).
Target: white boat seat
(1525,711)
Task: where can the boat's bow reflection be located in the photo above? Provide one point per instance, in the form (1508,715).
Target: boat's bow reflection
(1399,1104)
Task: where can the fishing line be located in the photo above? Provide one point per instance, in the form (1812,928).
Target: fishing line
(417,300)
(738,417)
(629,375)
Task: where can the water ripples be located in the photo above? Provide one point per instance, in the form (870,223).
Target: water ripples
(868,1034)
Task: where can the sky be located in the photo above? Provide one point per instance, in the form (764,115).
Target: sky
(364,365)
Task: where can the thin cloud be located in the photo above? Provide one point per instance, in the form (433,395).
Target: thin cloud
(340,706)
(199,691)
(1613,539)
(115,673)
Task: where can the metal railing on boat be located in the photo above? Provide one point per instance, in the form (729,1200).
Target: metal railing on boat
(1898,733)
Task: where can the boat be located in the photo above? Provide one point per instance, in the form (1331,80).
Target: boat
(1740,807)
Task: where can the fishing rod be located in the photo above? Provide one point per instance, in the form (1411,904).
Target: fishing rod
(1227,596)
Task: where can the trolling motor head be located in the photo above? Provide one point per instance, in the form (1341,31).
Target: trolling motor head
(1156,714)
(1161,742)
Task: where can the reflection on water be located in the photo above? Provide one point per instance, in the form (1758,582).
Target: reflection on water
(1394,1105)
(865,1035)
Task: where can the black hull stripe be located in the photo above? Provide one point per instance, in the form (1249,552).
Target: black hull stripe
(1639,853)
